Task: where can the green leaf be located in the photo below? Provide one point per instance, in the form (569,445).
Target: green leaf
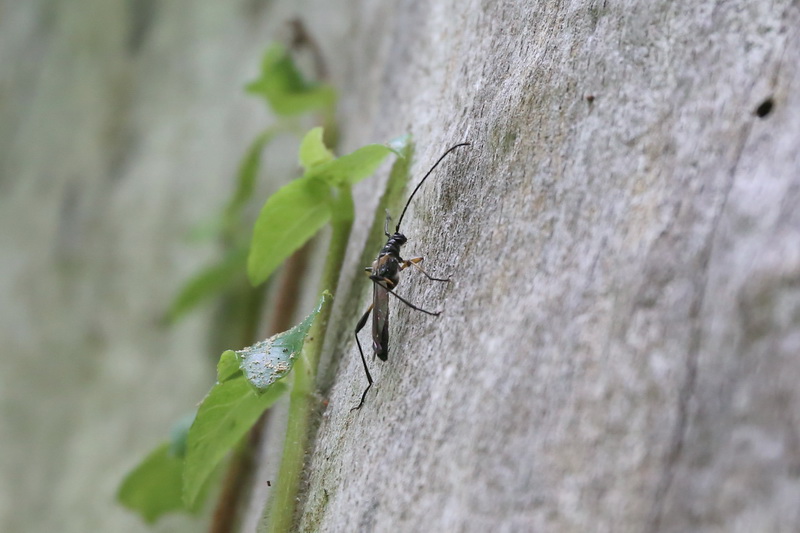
(207,229)
(312,151)
(179,433)
(285,89)
(209,282)
(268,361)
(228,366)
(352,168)
(248,171)
(233,405)
(290,217)
(227,413)
(298,210)
(154,487)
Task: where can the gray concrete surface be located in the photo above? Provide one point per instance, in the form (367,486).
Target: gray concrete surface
(620,350)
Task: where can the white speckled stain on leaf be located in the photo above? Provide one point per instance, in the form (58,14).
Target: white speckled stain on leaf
(267,361)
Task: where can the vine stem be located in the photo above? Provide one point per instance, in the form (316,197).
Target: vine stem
(302,402)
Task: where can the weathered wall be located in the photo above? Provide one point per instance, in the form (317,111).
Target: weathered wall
(620,350)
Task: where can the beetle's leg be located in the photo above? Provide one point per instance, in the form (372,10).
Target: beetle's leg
(414,262)
(386,283)
(359,327)
(389,285)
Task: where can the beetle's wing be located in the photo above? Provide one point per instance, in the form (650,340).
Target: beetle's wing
(380,320)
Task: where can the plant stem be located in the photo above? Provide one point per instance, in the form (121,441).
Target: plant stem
(301,399)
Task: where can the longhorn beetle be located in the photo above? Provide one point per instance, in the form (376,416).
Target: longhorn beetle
(385,275)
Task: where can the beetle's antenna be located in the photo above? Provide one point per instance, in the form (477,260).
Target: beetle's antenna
(397,228)
(386,224)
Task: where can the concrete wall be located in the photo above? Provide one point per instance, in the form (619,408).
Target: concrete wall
(621,347)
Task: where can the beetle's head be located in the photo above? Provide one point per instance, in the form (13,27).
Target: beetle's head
(399,238)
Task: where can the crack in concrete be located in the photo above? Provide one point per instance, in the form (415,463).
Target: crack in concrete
(687,392)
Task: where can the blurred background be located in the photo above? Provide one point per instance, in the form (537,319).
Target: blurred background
(122,124)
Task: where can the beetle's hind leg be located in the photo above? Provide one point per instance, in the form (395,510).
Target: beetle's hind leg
(359,327)
(389,285)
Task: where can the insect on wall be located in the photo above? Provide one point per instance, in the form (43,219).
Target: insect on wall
(385,276)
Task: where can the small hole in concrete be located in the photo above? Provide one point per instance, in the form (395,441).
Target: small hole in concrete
(765,108)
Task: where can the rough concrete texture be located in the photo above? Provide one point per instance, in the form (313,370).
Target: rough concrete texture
(620,349)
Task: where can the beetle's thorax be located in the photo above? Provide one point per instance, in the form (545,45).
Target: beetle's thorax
(392,246)
(387,264)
